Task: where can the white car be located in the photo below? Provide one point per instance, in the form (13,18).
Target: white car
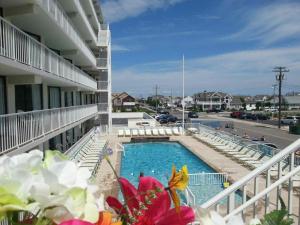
(290,120)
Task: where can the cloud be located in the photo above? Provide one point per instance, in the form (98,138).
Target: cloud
(270,24)
(160,35)
(119,48)
(241,72)
(117,10)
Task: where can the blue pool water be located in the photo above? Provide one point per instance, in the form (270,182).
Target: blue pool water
(156,159)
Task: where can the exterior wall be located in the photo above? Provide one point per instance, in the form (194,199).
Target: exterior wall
(72,52)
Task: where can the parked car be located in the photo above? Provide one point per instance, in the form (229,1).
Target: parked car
(171,118)
(161,111)
(246,116)
(213,110)
(262,117)
(235,114)
(167,119)
(192,115)
(163,120)
(290,120)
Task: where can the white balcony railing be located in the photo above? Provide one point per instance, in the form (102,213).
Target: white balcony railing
(102,107)
(18,129)
(86,20)
(103,37)
(102,85)
(58,14)
(102,62)
(262,187)
(19,46)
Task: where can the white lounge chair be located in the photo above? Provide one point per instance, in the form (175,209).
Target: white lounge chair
(121,133)
(161,131)
(127,133)
(148,132)
(175,131)
(154,131)
(168,131)
(135,132)
(141,132)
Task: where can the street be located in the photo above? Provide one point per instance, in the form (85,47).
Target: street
(254,129)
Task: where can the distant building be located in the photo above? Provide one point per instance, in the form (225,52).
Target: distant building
(288,102)
(213,100)
(188,102)
(123,102)
(236,103)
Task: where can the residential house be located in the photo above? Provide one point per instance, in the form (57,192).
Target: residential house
(188,102)
(236,103)
(123,102)
(213,100)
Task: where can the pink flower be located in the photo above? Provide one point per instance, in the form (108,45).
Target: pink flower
(149,204)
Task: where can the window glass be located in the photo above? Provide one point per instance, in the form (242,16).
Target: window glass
(2,96)
(54,97)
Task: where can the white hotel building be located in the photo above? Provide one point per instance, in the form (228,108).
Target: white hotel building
(55,73)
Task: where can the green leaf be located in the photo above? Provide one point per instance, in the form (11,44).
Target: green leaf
(278,217)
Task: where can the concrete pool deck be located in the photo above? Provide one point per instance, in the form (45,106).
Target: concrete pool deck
(213,158)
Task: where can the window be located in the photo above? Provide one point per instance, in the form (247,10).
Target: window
(68,99)
(28,97)
(54,97)
(2,96)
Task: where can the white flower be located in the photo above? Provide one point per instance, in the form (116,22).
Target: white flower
(213,218)
(255,222)
(56,187)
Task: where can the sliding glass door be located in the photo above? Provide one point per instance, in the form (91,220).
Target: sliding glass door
(54,97)
(28,97)
(2,96)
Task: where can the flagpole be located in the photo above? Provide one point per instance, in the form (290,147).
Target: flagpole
(183,103)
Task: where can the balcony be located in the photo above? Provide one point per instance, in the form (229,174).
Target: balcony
(104,36)
(28,129)
(102,107)
(102,63)
(20,47)
(55,10)
(102,85)
(78,14)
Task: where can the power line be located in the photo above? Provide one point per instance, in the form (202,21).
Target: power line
(156,100)
(280,70)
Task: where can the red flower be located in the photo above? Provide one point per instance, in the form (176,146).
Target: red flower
(149,204)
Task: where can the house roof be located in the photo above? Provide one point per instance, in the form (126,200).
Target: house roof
(207,95)
(236,100)
(292,99)
(121,95)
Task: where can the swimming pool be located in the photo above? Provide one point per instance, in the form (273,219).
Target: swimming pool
(156,159)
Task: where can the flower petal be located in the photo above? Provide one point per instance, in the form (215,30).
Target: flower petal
(131,194)
(236,220)
(185,216)
(176,199)
(76,222)
(216,218)
(104,218)
(115,204)
(159,205)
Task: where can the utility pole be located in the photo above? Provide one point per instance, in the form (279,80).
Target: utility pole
(183,103)
(274,92)
(156,99)
(280,70)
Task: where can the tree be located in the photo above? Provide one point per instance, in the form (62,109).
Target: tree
(243,102)
(258,105)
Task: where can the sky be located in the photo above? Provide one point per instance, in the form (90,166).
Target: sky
(228,45)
